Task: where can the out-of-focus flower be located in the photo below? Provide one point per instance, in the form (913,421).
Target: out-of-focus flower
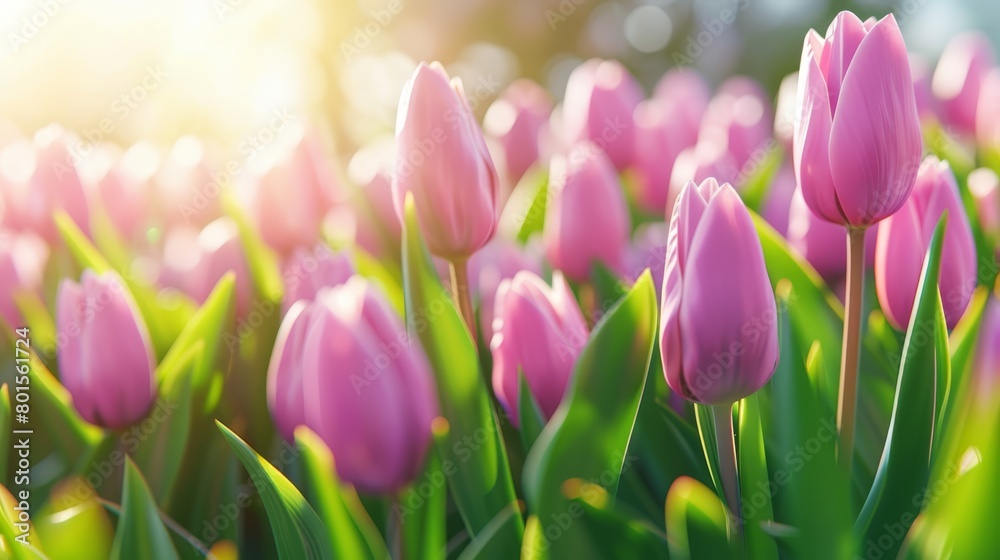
(307,271)
(785,110)
(987,116)
(499,260)
(920,71)
(779,199)
(739,116)
(903,240)
(194,261)
(125,199)
(661,135)
(185,189)
(987,372)
(22,260)
(984,185)
(823,244)
(105,354)
(649,245)
(367,389)
(857,134)
(443,160)
(377,227)
(285,391)
(517,120)
(718,335)
(707,158)
(600,99)
(540,332)
(687,93)
(586,218)
(958,79)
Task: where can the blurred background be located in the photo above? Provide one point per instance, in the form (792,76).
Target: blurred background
(124,70)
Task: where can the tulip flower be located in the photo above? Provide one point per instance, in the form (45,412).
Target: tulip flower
(194,262)
(649,243)
(499,260)
(442,159)
(987,379)
(186,190)
(307,271)
(517,120)
(903,240)
(104,351)
(600,98)
(285,393)
(739,116)
(718,321)
(857,134)
(785,110)
(987,116)
(124,197)
(661,135)
(820,242)
(586,218)
(984,185)
(708,158)
(538,331)
(367,391)
(22,262)
(687,93)
(921,73)
(779,199)
(378,228)
(958,79)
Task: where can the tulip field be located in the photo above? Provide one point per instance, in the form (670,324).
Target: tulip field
(594,319)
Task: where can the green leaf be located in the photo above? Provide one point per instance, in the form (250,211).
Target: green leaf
(588,437)
(140,533)
(29,547)
(5,428)
(383,274)
(352,532)
(757,185)
(705,421)
(298,530)
(479,478)
(529,414)
(524,213)
(904,469)
(615,535)
(755,485)
(73,524)
(261,260)
(696,522)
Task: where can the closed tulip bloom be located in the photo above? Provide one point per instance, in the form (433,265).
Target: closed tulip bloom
(441,157)
(903,241)
(740,116)
(309,270)
(286,205)
(820,242)
(368,391)
(499,260)
(105,355)
(285,393)
(600,98)
(718,328)
(661,135)
(22,263)
(517,120)
(185,190)
(586,219)
(987,116)
(921,73)
(125,199)
(779,199)
(540,332)
(708,158)
(857,134)
(958,79)
(219,251)
(687,92)
(647,251)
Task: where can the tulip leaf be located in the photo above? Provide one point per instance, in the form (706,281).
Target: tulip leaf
(378,272)
(479,477)
(588,438)
(524,213)
(140,532)
(802,442)
(696,522)
(165,315)
(904,469)
(73,524)
(42,324)
(671,446)
(262,263)
(705,420)
(529,414)
(616,535)
(5,434)
(755,485)
(28,547)
(757,183)
(298,530)
(352,532)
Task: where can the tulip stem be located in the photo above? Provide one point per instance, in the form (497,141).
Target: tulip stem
(847,398)
(728,472)
(461,295)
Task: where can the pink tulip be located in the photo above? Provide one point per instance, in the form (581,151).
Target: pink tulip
(718,327)
(987,116)
(377,228)
(987,368)
(740,116)
(220,251)
(105,354)
(779,199)
(22,262)
(367,390)
(857,135)
(586,218)
(708,158)
(287,206)
(538,331)
(517,120)
(984,185)
(785,110)
(823,244)
(285,394)
(660,137)
(125,199)
(600,98)
(921,73)
(687,92)
(649,245)
(499,260)
(185,189)
(903,240)
(443,160)
(958,79)
(307,271)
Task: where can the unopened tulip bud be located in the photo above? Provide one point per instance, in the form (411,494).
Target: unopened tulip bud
(600,98)
(958,79)
(661,135)
(517,120)
(740,115)
(310,270)
(105,354)
(499,260)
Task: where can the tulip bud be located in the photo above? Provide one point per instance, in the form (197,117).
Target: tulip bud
(958,79)
(194,262)
(600,98)
(857,134)
(285,394)
(22,263)
(498,260)
(105,355)
(443,160)
(740,117)
(903,241)
(186,190)
(649,244)
(921,73)
(586,218)
(687,92)
(987,116)
(823,244)
(307,271)
(540,332)
(517,120)
(124,190)
(287,209)
(367,389)
(779,199)
(984,185)
(660,137)
(707,158)
(718,327)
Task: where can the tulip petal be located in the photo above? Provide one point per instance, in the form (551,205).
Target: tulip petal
(844,36)
(899,256)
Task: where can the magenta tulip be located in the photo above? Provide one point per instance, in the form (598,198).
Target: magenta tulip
(538,331)
(517,120)
(718,327)
(600,98)
(219,251)
(443,160)
(105,354)
(958,79)
(987,116)
(649,243)
(779,199)
(921,73)
(307,271)
(367,390)
(857,134)
(661,134)
(586,218)
(285,392)
(903,240)
(687,92)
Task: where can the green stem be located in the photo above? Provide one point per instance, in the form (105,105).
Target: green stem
(728,472)
(847,397)
(461,295)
